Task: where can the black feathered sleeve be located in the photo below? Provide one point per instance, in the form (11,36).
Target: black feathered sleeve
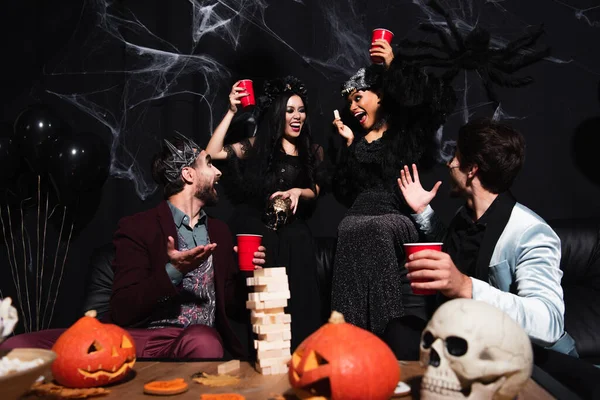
(342,165)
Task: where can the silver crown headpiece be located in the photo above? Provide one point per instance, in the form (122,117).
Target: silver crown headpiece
(356,82)
(180,158)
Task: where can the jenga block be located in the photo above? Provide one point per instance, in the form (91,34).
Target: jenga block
(272,370)
(267,280)
(279,369)
(275,328)
(273,287)
(275,353)
(254,305)
(228,367)
(268,362)
(275,336)
(267,319)
(260,305)
(274,310)
(275,303)
(280,271)
(263,296)
(271,311)
(259,319)
(282,319)
(261,345)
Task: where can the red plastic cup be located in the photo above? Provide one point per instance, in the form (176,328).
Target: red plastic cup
(412,248)
(248,88)
(247,246)
(384,34)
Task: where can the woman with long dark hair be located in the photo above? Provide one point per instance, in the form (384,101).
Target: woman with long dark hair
(399,109)
(279,163)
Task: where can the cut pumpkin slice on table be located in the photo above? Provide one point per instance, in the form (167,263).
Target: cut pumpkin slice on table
(166,388)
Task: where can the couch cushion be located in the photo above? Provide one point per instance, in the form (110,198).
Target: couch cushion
(580,241)
(100,280)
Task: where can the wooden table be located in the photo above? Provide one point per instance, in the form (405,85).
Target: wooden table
(253,385)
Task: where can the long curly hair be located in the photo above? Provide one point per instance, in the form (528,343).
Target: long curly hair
(414,105)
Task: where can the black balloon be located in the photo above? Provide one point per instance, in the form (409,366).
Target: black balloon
(78,164)
(18,184)
(36,129)
(9,161)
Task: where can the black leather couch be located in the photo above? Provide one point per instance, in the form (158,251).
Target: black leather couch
(562,375)
(580,264)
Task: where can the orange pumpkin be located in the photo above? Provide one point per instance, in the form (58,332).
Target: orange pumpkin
(91,354)
(342,361)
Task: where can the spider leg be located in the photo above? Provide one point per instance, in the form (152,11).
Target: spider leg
(455,33)
(524,41)
(449,75)
(511,82)
(441,34)
(487,81)
(427,60)
(521,61)
(422,44)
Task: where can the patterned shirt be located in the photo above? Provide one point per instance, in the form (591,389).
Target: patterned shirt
(196,302)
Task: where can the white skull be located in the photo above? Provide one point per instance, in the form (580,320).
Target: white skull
(8,318)
(474,350)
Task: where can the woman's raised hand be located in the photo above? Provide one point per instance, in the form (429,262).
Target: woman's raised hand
(342,129)
(381,48)
(416,197)
(236,94)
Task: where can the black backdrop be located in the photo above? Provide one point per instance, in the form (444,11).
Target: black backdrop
(134,72)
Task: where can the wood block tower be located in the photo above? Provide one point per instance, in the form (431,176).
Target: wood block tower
(270,324)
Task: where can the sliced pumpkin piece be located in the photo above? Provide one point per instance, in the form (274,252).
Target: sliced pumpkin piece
(166,388)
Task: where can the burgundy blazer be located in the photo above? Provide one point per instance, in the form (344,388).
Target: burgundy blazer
(141,282)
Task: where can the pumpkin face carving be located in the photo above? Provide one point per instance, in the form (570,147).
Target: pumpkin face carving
(91,354)
(342,361)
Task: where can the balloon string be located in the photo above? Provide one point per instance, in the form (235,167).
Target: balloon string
(37,256)
(16,266)
(25,278)
(62,269)
(12,267)
(62,225)
(43,255)
(14,271)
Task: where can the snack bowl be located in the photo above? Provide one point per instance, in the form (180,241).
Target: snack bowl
(15,383)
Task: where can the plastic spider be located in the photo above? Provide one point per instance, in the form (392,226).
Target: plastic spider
(474,52)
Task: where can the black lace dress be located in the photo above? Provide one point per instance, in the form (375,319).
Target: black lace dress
(292,244)
(369,285)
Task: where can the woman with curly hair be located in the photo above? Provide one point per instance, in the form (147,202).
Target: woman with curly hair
(399,109)
(281,162)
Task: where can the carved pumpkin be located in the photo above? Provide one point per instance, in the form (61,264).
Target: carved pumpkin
(91,353)
(341,361)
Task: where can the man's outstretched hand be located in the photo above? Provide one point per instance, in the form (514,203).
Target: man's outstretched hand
(188,260)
